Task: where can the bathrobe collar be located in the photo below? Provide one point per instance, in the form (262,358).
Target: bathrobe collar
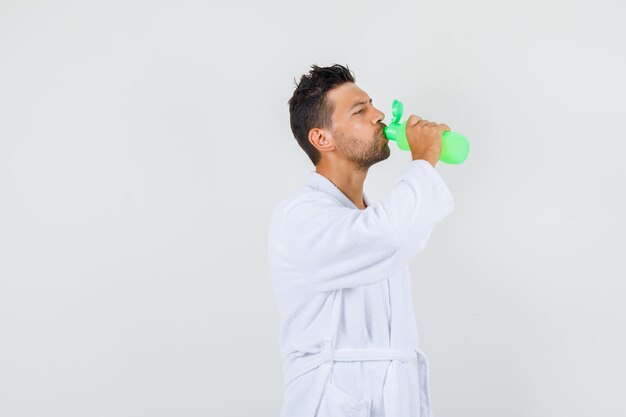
(320,182)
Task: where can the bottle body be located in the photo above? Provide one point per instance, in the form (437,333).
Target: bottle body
(454,146)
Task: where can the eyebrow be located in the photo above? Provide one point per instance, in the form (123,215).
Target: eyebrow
(359,103)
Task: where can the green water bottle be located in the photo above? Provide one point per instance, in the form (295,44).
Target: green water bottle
(454,146)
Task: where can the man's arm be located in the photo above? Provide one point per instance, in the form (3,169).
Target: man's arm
(339,247)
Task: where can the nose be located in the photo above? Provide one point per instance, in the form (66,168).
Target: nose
(378,116)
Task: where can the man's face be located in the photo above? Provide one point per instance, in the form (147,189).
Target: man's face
(357,127)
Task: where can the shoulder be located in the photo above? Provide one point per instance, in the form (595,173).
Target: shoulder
(305,199)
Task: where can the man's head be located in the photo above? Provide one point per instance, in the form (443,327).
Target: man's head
(334,121)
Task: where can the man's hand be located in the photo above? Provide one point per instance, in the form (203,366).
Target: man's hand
(424,138)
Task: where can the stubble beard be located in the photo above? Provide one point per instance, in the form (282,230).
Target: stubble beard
(363,158)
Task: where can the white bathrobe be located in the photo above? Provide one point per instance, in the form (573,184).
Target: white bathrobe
(342,282)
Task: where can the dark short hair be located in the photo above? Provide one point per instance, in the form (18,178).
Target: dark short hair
(309,107)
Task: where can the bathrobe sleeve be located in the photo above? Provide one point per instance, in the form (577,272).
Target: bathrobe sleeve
(334,246)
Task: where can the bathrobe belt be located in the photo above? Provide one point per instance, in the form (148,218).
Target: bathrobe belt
(391,389)
(328,354)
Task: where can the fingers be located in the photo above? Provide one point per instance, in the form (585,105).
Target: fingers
(443,127)
(413,120)
(416,120)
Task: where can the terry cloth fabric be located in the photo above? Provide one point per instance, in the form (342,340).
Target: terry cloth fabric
(342,282)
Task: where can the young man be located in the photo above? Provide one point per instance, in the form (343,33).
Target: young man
(340,262)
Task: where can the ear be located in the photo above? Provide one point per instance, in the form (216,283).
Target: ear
(322,139)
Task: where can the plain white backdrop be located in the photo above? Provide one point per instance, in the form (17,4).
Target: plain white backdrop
(143,146)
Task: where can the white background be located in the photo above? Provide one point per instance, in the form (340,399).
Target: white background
(143,146)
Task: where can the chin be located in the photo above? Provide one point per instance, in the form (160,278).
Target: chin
(384,154)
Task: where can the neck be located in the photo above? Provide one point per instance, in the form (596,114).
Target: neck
(347,179)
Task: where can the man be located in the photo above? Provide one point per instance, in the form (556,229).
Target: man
(340,262)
